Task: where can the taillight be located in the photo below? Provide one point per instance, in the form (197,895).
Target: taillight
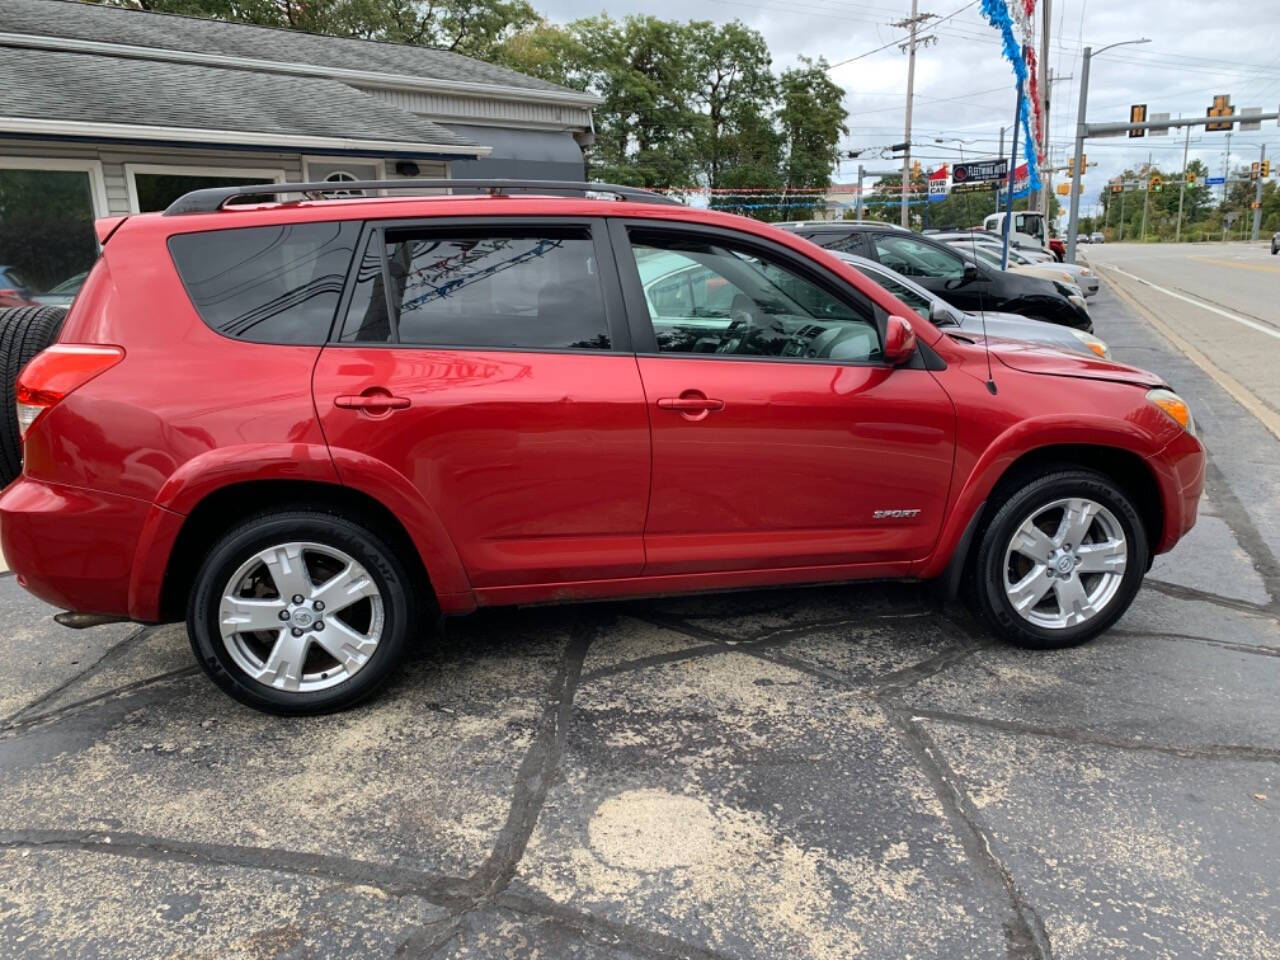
(55,372)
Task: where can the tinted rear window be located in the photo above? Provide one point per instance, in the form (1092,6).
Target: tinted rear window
(278,284)
(533,288)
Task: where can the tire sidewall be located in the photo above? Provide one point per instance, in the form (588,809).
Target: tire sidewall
(331,530)
(994,603)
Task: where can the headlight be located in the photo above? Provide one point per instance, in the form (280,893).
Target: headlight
(1093,343)
(1086,272)
(1077,301)
(1175,407)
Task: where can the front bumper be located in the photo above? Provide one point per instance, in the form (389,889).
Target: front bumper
(71,547)
(1180,469)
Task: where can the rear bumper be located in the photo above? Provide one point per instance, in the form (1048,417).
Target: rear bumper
(71,547)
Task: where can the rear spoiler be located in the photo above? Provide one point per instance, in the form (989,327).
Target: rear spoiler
(107,226)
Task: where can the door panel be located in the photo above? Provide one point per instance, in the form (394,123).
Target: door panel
(537,463)
(793,468)
(779,439)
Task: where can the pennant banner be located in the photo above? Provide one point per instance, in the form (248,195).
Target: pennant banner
(996,13)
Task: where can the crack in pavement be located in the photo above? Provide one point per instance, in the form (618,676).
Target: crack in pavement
(1026,937)
(1257,650)
(1195,595)
(540,765)
(110,655)
(25,726)
(1071,735)
(1247,534)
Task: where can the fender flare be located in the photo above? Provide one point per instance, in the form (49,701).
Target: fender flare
(217,469)
(1023,438)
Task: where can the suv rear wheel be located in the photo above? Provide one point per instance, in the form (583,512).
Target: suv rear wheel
(1060,561)
(300,612)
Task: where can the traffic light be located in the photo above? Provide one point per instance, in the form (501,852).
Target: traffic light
(1266,169)
(1221,108)
(1138,114)
(1155,184)
(1253,170)
(915,169)
(1063,189)
(1191,178)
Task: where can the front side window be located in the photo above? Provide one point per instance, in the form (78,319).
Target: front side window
(278,284)
(707,297)
(914,258)
(524,288)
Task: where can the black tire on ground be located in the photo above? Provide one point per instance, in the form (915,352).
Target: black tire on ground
(1016,502)
(326,528)
(24,332)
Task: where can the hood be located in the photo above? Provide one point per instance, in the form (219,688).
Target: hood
(1034,358)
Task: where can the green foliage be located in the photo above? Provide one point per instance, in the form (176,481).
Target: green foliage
(474,27)
(1202,211)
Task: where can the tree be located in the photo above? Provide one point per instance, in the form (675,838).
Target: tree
(811,117)
(473,27)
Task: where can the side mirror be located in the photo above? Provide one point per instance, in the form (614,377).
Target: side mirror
(941,315)
(899,340)
(971,273)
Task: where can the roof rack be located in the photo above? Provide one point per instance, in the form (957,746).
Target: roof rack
(212,199)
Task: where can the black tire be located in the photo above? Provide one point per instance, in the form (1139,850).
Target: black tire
(1014,503)
(24,332)
(320,526)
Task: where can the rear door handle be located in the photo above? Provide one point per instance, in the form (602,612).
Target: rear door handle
(371,401)
(690,404)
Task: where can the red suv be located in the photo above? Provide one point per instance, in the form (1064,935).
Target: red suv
(310,426)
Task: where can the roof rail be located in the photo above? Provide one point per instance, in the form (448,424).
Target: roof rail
(212,199)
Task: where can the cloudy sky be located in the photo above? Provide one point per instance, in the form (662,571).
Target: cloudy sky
(964,89)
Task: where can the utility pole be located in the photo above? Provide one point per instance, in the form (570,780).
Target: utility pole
(913,24)
(1226,171)
(1082,128)
(1123,191)
(1257,197)
(1182,188)
(1046,94)
(860,175)
(1146,201)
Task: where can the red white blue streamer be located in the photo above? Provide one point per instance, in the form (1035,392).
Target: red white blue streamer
(997,14)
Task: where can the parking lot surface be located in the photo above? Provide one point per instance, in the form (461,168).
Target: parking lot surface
(837,772)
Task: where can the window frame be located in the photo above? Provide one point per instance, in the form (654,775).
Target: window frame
(610,288)
(97,182)
(637,309)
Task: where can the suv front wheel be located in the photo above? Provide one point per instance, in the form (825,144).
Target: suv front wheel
(300,612)
(1060,561)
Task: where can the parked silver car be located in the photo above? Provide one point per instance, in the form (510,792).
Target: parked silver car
(1009,326)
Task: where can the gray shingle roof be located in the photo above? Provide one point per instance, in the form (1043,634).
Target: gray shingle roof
(85,21)
(43,84)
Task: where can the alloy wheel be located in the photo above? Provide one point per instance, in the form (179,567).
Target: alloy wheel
(1065,563)
(301,617)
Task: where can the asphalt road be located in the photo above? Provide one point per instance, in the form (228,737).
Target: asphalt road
(1222,299)
(825,773)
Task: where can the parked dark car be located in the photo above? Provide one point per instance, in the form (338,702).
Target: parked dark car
(942,270)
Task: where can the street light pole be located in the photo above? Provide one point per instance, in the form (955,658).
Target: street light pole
(1182,189)
(1073,223)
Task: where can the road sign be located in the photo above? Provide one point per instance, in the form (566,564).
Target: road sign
(1215,181)
(1138,114)
(1159,131)
(1253,170)
(1250,124)
(980,170)
(1221,108)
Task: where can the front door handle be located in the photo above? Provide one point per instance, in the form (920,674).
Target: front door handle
(373,400)
(690,404)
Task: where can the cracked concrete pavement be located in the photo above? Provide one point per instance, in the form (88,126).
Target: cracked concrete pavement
(824,773)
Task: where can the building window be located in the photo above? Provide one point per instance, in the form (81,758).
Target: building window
(153,187)
(47,244)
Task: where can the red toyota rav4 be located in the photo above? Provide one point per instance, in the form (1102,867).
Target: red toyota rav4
(308,426)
